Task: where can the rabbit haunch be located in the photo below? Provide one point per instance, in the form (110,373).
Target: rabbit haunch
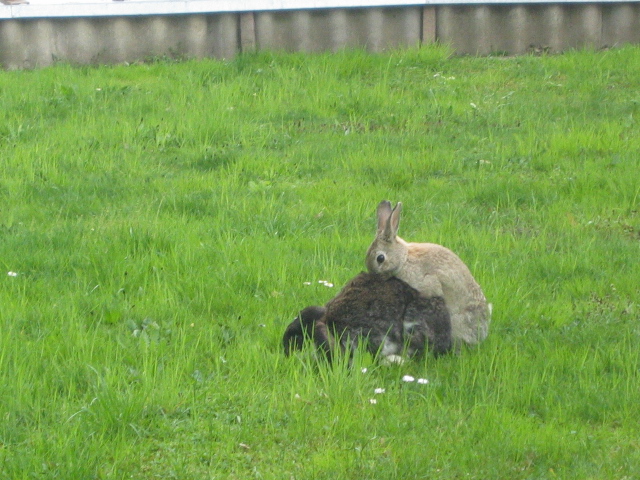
(433,270)
(385,313)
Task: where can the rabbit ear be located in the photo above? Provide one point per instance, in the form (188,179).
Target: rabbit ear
(323,339)
(384,212)
(394,220)
(301,328)
(389,229)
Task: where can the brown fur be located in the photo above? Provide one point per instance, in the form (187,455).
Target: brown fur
(385,313)
(433,270)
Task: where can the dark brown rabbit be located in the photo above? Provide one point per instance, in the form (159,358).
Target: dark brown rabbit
(386,313)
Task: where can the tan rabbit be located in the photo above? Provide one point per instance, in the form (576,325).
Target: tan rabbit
(433,270)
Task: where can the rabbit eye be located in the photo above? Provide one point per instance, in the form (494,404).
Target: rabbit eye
(380,258)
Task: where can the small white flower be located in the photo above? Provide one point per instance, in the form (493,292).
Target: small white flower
(373,401)
(12,274)
(408,379)
(364,370)
(423,381)
(379,390)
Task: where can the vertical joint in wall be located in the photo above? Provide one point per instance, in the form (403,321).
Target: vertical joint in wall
(428,33)
(247,32)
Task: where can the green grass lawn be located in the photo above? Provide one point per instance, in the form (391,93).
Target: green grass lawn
(159,224)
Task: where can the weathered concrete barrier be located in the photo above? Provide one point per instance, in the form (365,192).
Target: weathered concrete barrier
(105,31)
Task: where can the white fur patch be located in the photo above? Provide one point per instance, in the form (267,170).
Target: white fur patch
(389,348)
(408,326)
(392,360)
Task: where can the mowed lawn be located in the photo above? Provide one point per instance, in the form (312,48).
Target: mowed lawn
(161,224)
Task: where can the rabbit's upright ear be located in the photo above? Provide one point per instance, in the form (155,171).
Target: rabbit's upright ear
(388,220)
(384,212)
(389,228)
(394,219)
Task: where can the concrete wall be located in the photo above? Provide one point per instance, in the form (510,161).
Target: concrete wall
(37,42)
(29,42)
(518,28)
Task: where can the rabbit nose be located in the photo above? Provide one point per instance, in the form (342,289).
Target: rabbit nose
(380,258)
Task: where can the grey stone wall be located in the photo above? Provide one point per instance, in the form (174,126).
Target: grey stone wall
(469,29)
